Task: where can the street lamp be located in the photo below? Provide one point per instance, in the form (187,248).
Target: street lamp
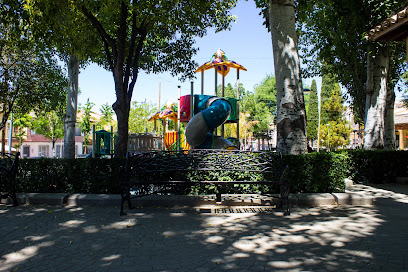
(328,137)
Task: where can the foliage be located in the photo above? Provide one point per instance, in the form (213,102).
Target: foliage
(261,104)
(86,122)
(31,78)
(329,83)
(21,122)
(49,124)
(246,126)
(107,114)
(332,39)
(308,173)
(138,116)
(59,26)
(336,130)
(231,92)
(313,113)
(88,176)
(381,166)
(314,172)
(153,36)
(317,172)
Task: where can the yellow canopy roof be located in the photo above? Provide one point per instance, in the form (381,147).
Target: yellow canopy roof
(221,63)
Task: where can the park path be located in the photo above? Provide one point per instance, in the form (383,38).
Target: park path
(325,238)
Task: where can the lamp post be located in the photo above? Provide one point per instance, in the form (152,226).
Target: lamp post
(328,137)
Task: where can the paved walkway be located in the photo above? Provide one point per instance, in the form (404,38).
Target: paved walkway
(325,238)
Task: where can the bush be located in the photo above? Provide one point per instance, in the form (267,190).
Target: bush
(317,172)
(378,166)
(309,173)
(90,176)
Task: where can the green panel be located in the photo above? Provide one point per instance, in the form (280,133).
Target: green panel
(234,114)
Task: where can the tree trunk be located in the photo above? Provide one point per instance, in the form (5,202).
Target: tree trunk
(3,140)
(121,108)
(376,96)
(291,114)
(72,105)
(389,124)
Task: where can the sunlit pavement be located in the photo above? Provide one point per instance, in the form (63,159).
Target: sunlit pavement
(325,238)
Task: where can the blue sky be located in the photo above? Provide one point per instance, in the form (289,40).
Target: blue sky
(248,43)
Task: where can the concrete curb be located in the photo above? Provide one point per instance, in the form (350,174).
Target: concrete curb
(105,200)
(99,200)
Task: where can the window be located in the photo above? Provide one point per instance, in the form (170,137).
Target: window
(78,131)
(26,151)
(43,151)
(59,151)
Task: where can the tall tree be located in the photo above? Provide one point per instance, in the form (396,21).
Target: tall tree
(21,122)
(86,122)
(107,114)
(139,113)
(231,92)
(154,36)
(291,115)
(333,32)
(50,125)
(261,105)
(30,78)
(335,131)
(313,113)
(58,25)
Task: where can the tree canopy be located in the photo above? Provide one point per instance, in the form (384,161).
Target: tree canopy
(154,36)
(27,71)
(261,104)
(139,114)
(333,39)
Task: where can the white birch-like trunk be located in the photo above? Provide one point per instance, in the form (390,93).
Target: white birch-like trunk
(376,100)
(291,114)
(389,124)
(72,105)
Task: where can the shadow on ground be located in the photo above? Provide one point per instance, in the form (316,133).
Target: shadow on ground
(342,238)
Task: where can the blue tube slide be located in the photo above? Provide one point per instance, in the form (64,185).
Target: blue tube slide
(215,112)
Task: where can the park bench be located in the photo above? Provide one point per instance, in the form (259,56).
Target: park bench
(169,172)
(8,172)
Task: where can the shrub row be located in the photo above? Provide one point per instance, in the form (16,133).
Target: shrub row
(314,172)
(89,176)
(377,166)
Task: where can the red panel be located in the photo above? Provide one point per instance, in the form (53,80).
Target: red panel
(185,108)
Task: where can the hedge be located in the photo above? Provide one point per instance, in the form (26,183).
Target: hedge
(378,166)
(89,176)
(309,173)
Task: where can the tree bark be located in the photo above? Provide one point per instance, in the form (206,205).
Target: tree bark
(3,140)
(122,109)
(291,114)
(389,124)
(72,105)
(376,99)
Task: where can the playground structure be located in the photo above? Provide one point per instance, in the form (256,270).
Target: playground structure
(173,139)
(103,143)
(202,113)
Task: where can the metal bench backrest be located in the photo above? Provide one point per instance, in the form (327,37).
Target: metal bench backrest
(205,161)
